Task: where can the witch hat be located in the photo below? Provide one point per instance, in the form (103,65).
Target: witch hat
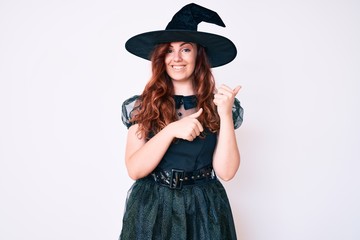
(183,27)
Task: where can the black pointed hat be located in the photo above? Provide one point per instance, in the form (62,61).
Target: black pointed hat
(183,27)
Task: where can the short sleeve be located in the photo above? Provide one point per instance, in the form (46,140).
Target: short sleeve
(129,107)
(237,113)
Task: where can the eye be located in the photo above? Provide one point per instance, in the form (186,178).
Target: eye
(186,50)
(169,51)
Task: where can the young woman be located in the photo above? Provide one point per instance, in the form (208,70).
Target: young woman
(181,136)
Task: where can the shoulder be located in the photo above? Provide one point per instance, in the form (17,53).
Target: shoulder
(131,100)
(129,108)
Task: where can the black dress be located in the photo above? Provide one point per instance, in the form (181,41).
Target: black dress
(193,212)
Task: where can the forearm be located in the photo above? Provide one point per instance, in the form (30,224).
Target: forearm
(226,158)
(142,157)
(144,160)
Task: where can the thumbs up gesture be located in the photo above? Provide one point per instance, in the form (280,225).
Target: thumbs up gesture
(224,99)
(187,128)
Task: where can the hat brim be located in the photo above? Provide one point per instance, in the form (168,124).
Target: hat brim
(220,50)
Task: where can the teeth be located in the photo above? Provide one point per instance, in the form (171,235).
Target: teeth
(178,67)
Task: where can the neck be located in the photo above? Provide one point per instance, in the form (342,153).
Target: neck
(183,88)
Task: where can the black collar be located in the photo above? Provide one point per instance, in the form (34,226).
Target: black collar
(188,101)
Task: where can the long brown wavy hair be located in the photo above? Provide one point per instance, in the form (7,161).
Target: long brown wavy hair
(156,105)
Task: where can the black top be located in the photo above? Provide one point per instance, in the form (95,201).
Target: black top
(183,154)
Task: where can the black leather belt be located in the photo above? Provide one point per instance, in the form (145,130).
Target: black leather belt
(176,178)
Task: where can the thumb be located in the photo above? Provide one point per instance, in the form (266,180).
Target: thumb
(197,114)
(236,90)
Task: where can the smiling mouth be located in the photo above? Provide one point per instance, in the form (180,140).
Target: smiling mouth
(178,67)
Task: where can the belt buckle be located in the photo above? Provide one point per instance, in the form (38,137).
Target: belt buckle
(176,180)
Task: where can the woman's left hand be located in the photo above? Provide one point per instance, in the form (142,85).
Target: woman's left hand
(224,99)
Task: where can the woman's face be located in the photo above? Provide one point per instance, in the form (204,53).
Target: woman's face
(180,60)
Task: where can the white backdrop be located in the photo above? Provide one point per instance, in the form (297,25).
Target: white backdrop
(64,73)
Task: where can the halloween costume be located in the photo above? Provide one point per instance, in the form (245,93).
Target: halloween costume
(182,198)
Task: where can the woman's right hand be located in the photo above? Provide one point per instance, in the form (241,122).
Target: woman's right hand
(187,128)
(143,156)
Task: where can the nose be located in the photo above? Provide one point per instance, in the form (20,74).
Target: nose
(177,56)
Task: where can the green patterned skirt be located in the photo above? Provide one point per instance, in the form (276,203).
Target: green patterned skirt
(195,212)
